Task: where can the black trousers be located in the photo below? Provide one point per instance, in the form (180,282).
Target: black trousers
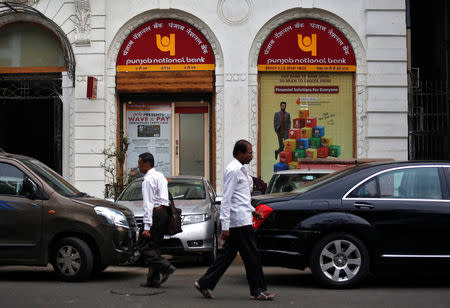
(282,135)
(241,239)
(150,247)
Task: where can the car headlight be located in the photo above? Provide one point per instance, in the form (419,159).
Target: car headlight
(112,216)
(195,218)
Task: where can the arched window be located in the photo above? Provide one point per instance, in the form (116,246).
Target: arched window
(31,48)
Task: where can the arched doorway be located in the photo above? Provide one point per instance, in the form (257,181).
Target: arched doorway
(165,80)
(31,62)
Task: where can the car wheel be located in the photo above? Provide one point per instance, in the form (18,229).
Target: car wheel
(339,261)
(73,259)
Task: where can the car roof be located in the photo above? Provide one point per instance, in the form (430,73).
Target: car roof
(179,177)
(304,171)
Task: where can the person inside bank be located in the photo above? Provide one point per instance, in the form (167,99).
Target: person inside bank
(281,125)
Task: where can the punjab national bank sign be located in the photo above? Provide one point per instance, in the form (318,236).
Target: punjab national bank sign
(306,45)
(165,45)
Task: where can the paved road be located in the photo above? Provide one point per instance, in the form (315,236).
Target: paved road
(119,287)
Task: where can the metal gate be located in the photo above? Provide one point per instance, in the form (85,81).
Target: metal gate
(429,122)
(44,92)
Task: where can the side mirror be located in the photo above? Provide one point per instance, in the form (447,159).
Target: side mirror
(110,199)
(218,200)
(30,189)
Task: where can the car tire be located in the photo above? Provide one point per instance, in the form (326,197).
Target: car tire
(339,260)
(73,260)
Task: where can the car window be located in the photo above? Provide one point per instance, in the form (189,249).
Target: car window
(408,183)
(11,180)
(53,179)
(133,192)
(185,189)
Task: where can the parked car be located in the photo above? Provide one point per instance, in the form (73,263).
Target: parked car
(44,219)
(197,199)
(344,224)
(288,180)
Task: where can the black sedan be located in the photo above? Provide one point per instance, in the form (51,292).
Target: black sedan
(344,224)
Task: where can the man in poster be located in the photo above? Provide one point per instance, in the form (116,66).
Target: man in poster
(282,125)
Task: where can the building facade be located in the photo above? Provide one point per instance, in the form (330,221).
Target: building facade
(186,79)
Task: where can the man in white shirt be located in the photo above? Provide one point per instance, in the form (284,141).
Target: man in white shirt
(236,214)
(155,196)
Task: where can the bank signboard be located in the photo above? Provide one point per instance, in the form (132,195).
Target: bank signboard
(165,45)
(306,45)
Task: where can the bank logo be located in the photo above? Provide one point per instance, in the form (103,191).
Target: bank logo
(308,44)
(166,43)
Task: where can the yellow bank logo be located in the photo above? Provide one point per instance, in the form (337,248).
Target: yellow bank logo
(308,43)
(166,43)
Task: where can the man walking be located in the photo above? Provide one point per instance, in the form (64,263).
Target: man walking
(156,221)
(282,125)
(237,230)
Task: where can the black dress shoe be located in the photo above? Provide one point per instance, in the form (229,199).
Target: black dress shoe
(165,275)
(150,284)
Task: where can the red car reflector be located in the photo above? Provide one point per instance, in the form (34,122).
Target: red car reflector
(264,210)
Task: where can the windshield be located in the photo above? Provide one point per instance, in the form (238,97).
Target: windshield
(323,180)
(133,192)
(289,182)
(53,179)
(181,189)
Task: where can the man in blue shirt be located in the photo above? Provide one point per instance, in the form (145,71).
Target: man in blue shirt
(236,214)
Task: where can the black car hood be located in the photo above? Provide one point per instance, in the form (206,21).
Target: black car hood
(101,202)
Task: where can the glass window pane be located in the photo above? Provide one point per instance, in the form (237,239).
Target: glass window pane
(420,183)
(11,180)
(26,45)
(366,190)
(192,142)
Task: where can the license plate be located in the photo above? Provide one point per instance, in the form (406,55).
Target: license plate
(166,237)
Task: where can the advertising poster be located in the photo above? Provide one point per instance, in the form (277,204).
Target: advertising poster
(149,129)
(320,106)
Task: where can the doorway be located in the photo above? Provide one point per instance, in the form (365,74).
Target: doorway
(31,117)
(191,141)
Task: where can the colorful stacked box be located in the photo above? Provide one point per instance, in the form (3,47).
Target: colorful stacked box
(311,153)
(306,140)
(322,152)
(286,157)
(294,133)
(280,167)
(302,143)
(290,144)
(306,132)
(297,154)
(334,150)
(293,165)
(314,143)
(318,131)
(298,123)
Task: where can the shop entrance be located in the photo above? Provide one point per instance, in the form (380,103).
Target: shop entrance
(177,133)
(191,141)
(31,117)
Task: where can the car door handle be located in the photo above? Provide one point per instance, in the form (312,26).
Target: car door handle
(363,205)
